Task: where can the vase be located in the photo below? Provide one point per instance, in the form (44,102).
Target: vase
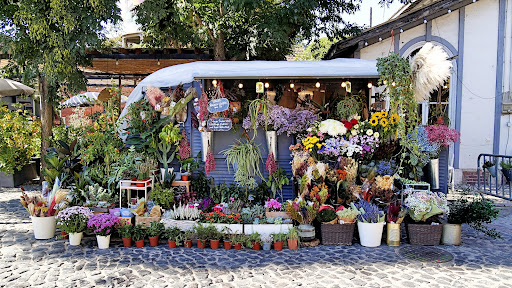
(227,245)
(393,234)
(432,173)
(127,242)
(44,227)
(267,246)
(172,244)
(214,244)
(272,143)
(139,243)
(293,244)
(206,141)
(153,241)
(452,234)
(103,241)
(278,246)
(306,232)
(370,234)
(75,238)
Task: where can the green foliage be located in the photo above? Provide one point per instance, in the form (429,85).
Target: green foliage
(293,234)
(21,139)
(138,232)
(245,159)
(348,108)
(279,237)
(276,181)
(125,231)
(174,234)
(257,106)
(505,165)
(155,229)
(61,162)
(200,185)
(162,196)
(326,215)
(255,237)
(143,121)
(476,213)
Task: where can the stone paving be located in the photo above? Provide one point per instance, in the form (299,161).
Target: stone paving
(25,262)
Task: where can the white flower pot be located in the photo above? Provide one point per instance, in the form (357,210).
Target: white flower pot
(452,234)
(75,238)
(370,234)
(207,141)
(103,241)
(272,142)
(185,225)
(44,227)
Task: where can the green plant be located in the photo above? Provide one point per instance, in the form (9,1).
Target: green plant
(276,181)
(125,231)
(255,237)
(200,185)
(347,215)
(174,234)
(126,166)
(162,196)
(203,232)
(93,194)
(257,106)
(279,237)
(293,234)
(488,164)
(155,229)
(326,215)
(138,232)
(145,168)
(349,107)
(245,159)
(189,164)
(143,122)
(476,213)
(506,166)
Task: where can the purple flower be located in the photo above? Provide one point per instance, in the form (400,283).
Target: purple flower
(102,224)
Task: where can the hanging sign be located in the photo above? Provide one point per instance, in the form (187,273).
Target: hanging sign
(348,87)
(220,124)
(218,105)
(260,88)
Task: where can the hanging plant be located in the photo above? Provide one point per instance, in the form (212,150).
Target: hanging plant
(210,164)
(258,106)
(348,108)
(245,159)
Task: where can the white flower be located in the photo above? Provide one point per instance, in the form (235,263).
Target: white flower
(369,132)
(354,132)
(376,134)
(332,127)
(356,126)
(309,129)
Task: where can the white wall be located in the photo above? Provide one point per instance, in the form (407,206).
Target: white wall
(377,50)
(410,34)
(505,137)
(447,27)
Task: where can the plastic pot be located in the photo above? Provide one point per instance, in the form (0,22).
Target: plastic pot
(64,235)
(188,244)
(44,227)
(227,245)
(139,244)
(370,234)
(153,241)
(256,246)
(103,241)
(238,246)
(267,246)
(201,244)
(293,244)
(278,246)
(214,244)
(184,177)
(172,244)
(142,182)
(127,242)
(451,234)
(507,174)
(75,238)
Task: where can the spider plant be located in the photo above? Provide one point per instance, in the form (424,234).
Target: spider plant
(256,106)
(245,159)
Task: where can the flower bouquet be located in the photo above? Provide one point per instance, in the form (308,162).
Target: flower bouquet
(303,212)
(103,225)
(370,223)
(274,209)
(73,220)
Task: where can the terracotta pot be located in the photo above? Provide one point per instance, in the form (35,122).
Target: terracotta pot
(172,244)
(214,244)
(134,179)
(153,241)
(64,235)
(278,246)
(184,177)
(127,242)
(201,244)
(142,183)
(188,244)
(139,244)
(227,245)
(256,246)
(238,246)
(293,244)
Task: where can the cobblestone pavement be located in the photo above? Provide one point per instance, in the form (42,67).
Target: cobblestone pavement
(24,261)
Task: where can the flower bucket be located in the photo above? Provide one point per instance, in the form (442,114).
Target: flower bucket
(370,234)
(75,238)
(256,246)
(393,234)
(214,244)
(272,143)
(206,141)
(227,245)
(127,242)
(153,241)
(188,244)
(267,246)
(293,244)
(238,246)
(103,241)
(278,246)
(432,173)
(306,232)
(201,244)
(44,227)
(451,234)
(139,243)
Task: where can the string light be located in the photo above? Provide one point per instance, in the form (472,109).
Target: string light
(401,30)
(365,43)
(343,84)
(158,62)
(240,85)
(292,85)
(214,83)
(317,85)
(393,84)
(370,85)
(380,39)
(267,84)
(449,10)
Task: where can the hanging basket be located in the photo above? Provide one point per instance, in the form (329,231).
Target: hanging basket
(337,234)
(424,234)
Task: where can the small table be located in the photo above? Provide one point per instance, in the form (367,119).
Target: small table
(127,185)
(182,183)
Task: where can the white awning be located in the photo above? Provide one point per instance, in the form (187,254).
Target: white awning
(86,98)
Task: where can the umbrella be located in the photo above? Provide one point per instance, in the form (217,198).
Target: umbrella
(86,98)
(9,87)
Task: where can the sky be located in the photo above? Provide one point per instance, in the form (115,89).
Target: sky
(362,17)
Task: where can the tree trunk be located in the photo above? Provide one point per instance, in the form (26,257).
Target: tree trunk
(219,50)
(46,117)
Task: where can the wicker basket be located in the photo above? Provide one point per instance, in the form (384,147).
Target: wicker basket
(337,234)
(424,234)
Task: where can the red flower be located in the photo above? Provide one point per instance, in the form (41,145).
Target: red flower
(353,122)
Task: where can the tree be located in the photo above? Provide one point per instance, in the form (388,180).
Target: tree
(46,40)
(242,29)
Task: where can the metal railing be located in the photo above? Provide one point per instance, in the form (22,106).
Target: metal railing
(494,180)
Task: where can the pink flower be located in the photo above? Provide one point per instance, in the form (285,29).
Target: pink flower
(231,199)
(184,151)
(210,163)
(442,135)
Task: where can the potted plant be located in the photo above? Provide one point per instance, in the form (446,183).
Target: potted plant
(491,167)
(475,212)
(267,242)
(255,240)
(187,166)
(505,169)
(293,239)
(370,223)
(423,223)
(125,231)
(144,170)
(238,241)
(337,229)
(304,213)
(214,237)
(154,231)
(188,238)
(138,235)
(103,225)
(279,239)
(174,236)
(395,216)
(227,238)
(439,137)
(274,209)
(73,220)
(202,233)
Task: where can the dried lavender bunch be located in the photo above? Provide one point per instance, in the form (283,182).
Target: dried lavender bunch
(368,213)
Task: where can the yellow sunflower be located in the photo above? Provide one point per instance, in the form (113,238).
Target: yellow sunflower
(374,121)
(384,114)
(384,122)
(394,118)
(376,115)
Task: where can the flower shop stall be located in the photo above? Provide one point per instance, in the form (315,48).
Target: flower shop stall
(251,153)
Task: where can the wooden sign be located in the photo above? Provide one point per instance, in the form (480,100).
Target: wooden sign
(218,105)
(220,124)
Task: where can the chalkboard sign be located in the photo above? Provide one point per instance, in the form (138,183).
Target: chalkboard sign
(220,124)
(218,105)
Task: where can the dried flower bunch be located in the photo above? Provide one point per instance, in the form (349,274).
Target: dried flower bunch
(39,206)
